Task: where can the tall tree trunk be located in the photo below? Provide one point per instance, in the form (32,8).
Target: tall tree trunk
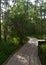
(0,20)
(6,18)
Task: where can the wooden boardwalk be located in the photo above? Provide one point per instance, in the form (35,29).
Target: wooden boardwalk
(27,55)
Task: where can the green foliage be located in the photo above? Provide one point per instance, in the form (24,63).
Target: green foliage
(19,22)
(6,49)
(22,20)
(42,53)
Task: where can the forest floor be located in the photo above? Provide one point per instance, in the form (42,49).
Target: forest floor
(27,55)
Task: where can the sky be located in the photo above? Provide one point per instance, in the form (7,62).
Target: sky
(12,3)
(30,0)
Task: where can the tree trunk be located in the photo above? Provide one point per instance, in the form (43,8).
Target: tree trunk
(21,41)
(5,32)
(0,20)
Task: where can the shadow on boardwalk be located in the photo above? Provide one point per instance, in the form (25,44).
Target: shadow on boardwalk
(27,55)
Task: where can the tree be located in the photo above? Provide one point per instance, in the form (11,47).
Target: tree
(19,22)
(6,6)
(0,20)
(24,18)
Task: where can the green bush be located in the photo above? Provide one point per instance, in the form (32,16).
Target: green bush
(6,49)
(42,53)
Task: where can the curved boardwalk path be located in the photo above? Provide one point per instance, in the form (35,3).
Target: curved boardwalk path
(27,55)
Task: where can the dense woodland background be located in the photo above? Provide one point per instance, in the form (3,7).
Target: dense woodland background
(22,19)
(18,21)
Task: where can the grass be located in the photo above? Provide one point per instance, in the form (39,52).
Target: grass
(6,49)
(42,53)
